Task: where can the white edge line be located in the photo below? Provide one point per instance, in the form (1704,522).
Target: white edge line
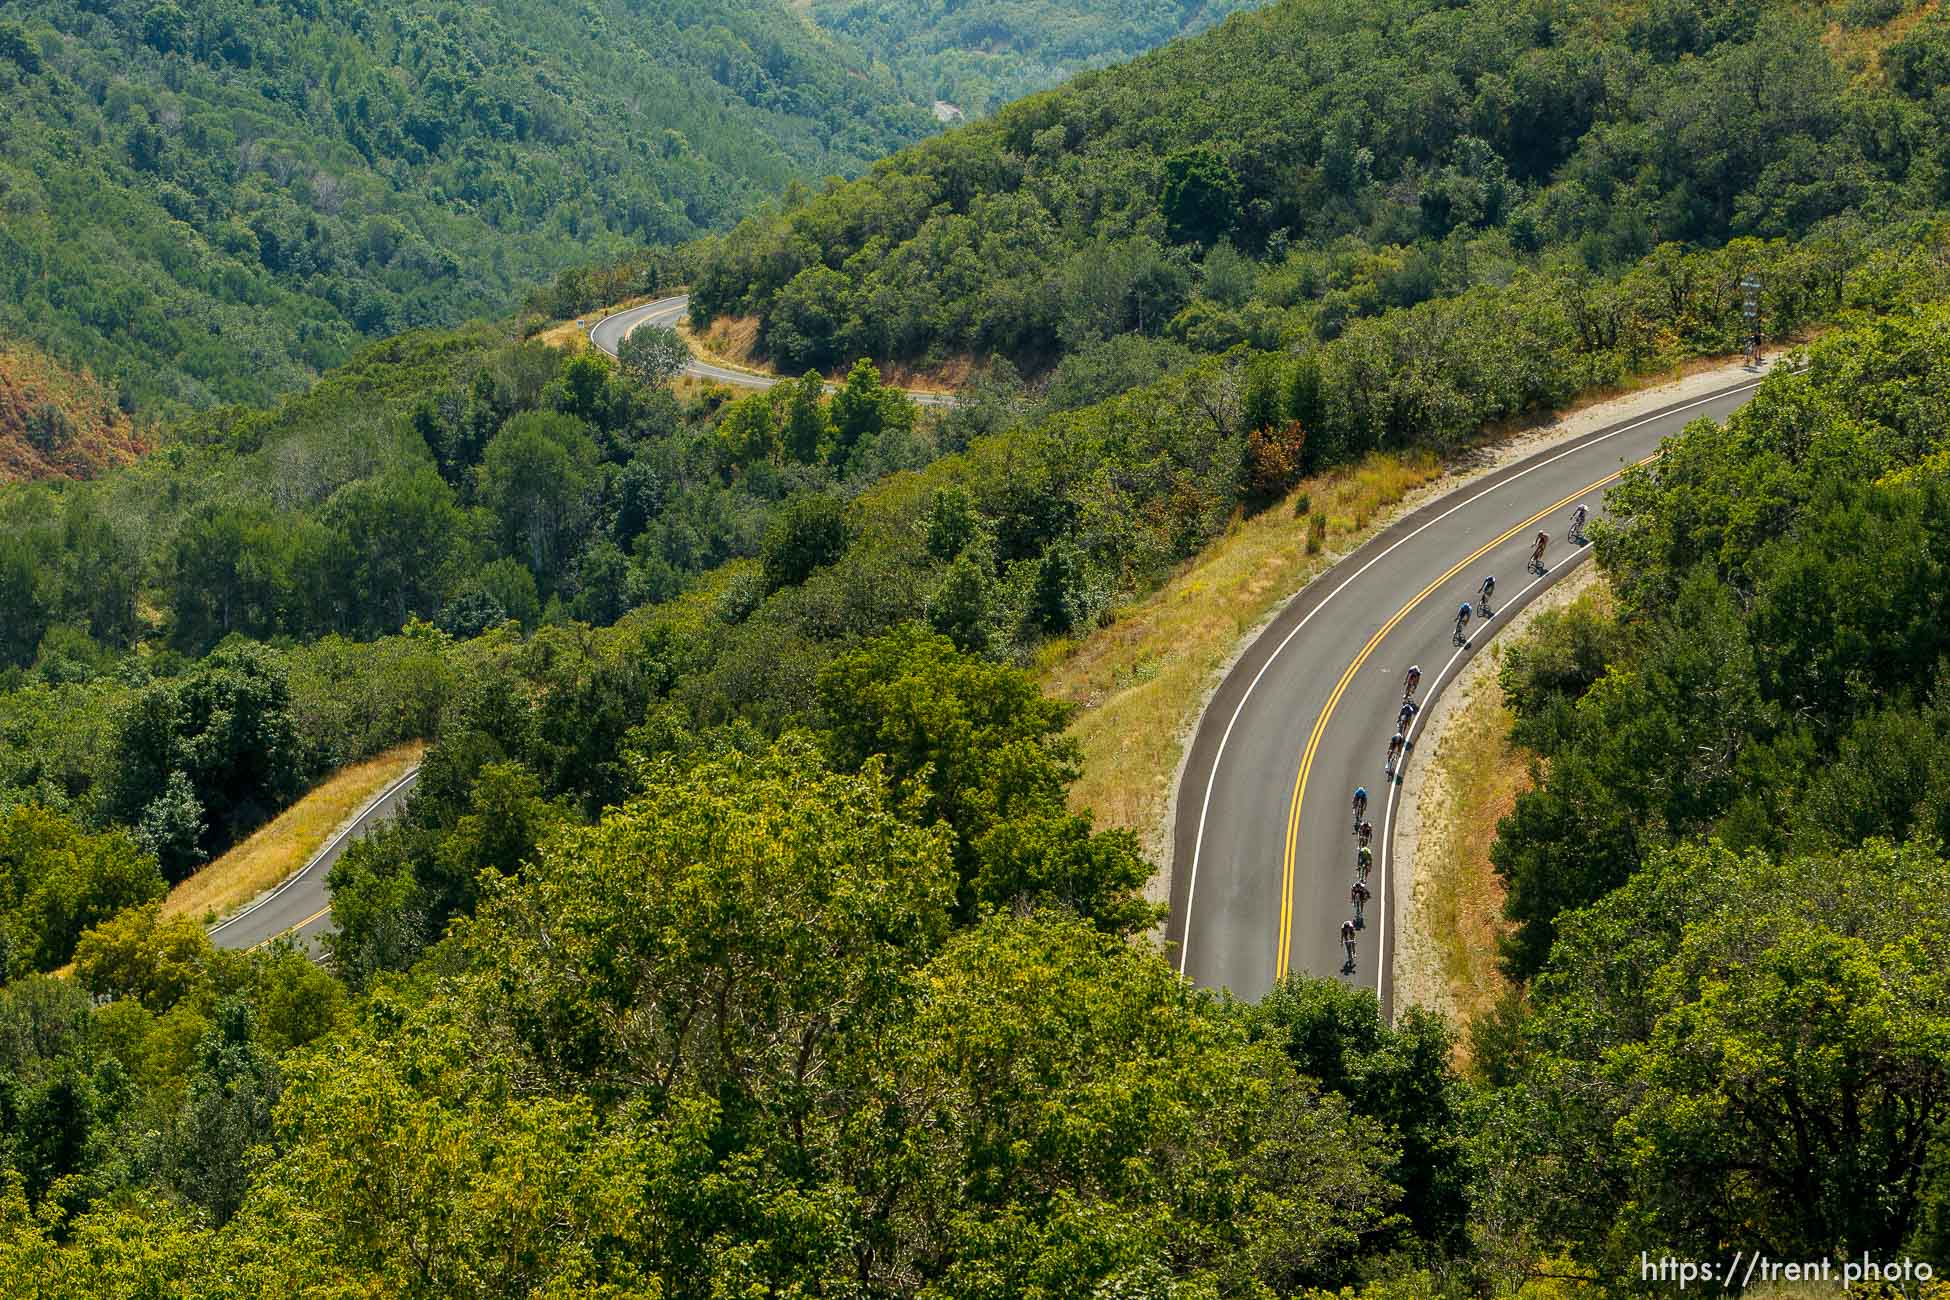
(1198,840)
(327,847)
(1556,572)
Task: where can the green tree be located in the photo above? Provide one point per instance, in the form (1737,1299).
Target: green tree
(228,1110)
(808,433)
(809,533)
(23,618)
(172,828)
(962,605)
(1771,1064)
(505,822)
(1397,1075)
(653,354)
(538,477)
(398,538)
(137,954)
(227,726)
(57,880)
(952,522)
(1201,196)
(864,409)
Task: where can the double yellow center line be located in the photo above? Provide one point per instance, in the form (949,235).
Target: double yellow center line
(1283,953)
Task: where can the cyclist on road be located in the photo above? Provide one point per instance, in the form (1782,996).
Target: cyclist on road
(1347,945)
(1462,623)
(1366,831)
(1484,592)
(1578,517)
(1537,553)
(1360,805)
(1359,897)
(1364,861)
(1395,745)
(1407,715)
(1411,681)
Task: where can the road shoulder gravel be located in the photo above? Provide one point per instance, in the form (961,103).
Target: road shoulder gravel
(1435,810)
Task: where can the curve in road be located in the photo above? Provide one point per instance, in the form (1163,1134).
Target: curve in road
(299,904)
(1263,852)
(608,334)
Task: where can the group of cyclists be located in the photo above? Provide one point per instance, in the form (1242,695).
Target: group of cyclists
(1486,591)
(1405,716)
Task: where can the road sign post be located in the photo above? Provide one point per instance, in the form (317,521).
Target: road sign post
(1750,312)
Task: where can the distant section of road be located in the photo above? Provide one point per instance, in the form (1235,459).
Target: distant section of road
(608,334)
(299,905)
(1263,858)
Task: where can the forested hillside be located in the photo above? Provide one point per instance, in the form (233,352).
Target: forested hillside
(215,202)
(1727,887)
(741,935)
(755,990)
(1318,162)
(980,56)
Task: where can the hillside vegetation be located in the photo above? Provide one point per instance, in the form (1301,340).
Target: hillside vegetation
(57,422)
(980,56)
(1318,162)
(745,933)
(215,202)
(952,1029)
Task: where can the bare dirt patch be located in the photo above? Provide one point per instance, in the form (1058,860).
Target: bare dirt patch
(59,421)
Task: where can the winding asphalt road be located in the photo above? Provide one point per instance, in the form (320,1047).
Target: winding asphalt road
(299,905)
(1263,852)
(608,335)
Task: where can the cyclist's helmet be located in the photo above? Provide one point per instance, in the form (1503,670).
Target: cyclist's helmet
(1361,794)
(1366,854)
(1464,611)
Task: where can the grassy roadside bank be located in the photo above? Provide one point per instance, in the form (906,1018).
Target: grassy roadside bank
(289,840)
(1141,682)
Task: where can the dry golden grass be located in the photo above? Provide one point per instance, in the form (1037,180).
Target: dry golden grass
(1139,682)
(728,341)
(1858,51)
(732,342)
(566,335)
(288,841)
(1461,897)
